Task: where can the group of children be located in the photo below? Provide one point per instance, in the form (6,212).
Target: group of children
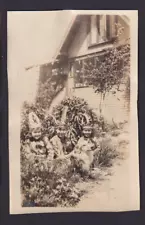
(46,149)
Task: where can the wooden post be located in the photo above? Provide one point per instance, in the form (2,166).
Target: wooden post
(70,83)
(69,92)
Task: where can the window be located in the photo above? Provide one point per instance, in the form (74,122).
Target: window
(81,71)
(101,28)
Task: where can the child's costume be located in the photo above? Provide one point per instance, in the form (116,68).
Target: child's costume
(40,147)
(57,146)
(59,142)
(84,152)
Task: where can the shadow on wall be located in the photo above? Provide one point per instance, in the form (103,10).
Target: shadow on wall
(45,73)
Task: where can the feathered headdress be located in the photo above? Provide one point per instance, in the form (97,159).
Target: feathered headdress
(33,120)
(61,125)
(88,123)
(88,126)
(64,114)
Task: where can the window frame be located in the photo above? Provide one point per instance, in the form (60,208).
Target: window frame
(108,35)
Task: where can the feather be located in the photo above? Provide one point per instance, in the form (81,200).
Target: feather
(34,121)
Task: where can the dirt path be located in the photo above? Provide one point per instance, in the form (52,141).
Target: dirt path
(111,193)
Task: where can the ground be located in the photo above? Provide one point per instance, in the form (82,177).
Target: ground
(111,192)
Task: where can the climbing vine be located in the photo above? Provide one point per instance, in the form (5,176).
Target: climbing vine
(107,71)
(50,88)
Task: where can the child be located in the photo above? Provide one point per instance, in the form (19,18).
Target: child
(58,141)
(49,125)
(40,146)
(87,146)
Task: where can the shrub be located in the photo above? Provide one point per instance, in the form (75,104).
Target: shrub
(48,189)
(78,114)
(48,184)
(107,71)
(107,152)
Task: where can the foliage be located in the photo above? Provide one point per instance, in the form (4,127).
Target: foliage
(53,184)
(78,114)
(48,90)
(108,70)
(106,153)
(127,92)
(45,184)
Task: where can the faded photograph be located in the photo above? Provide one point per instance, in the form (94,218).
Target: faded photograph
(73,138)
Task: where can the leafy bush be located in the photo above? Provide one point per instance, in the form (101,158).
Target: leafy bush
(48,184)
(78,114)
(106,154)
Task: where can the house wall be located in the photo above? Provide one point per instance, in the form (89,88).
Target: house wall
(114,106)
(79,46)
(126,34)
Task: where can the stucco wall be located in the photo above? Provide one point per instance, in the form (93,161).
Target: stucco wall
(113,107)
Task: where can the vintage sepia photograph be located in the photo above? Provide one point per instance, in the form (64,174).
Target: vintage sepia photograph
(73,125)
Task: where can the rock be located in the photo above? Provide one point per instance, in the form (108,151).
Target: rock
(94,174)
